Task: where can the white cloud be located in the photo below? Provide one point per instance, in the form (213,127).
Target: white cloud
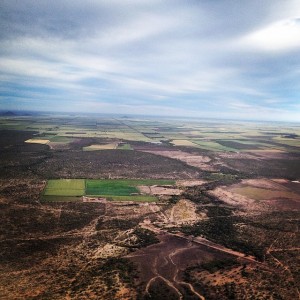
(280,36)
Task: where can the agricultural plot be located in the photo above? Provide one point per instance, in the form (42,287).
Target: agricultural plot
(185,143)
(123,189)
(37,141)
(110,187)
(246,145)
(65,190)
(65,187)
(279,194)
(110,146)
(212,146)
(61,139)
(215,136)
(124,147)
(257,193)
(129,136)
(293,142)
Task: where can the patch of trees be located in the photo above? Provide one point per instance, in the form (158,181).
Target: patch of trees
(121,224)
(223,231)
(212,266)
(288,167)
(290,136)
(126,269)
(199,195)
(174,199)
(145,237)
(107,271)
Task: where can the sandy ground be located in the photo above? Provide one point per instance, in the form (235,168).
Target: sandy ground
(37,141)
(110,250)
(282,194)
(183,212)
(236,155)
(264,184)
(230,198)
(159,190)
(190,183)
(255,154)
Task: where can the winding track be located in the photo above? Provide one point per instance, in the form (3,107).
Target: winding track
(161,258)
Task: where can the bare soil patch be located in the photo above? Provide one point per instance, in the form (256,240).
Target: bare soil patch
(227,196)
(190,183)
(184,211)
(38,141)
(159,190)
(260,193)
(264,183)
(284,204)
(236,155)
(195,160)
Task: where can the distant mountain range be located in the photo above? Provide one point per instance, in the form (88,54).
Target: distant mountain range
(13,114)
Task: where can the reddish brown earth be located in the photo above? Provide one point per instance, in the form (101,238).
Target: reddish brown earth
(164,263)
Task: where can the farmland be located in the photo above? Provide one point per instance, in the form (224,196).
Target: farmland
(115,190)
(213,136)
(65,187)
(118,207)
(100,147)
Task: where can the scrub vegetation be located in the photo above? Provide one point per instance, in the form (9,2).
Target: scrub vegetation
(156,209)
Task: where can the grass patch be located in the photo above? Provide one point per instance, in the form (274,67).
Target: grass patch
(110,146)
(124,147)
(109,187)
(61,139)
(71,190)
(120,187)
(287,141)
(213,146)
(185,143)
(65,187)
(239,145)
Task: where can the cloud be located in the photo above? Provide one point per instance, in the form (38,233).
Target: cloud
(216,58)
(280,36)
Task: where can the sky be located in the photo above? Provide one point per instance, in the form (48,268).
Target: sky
(192,58)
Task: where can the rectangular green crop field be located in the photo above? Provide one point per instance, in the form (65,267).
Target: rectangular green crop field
(110,187)
(120,187)
(65,187)
(58,190)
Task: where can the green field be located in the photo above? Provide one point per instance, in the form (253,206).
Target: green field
(66,190)
(61,139)
(65,187)
(212,146)
(125,147)
(120,133)
(110,146)
(109,187)
(120,187)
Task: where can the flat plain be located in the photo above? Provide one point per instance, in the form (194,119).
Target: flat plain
(103,207)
